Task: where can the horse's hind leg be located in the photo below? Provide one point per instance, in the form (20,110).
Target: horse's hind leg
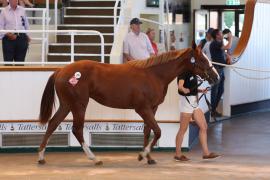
(58,117)
(78,123)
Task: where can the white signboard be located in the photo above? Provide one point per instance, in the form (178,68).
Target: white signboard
(67,127)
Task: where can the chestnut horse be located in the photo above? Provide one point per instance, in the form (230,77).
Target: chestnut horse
(140,85)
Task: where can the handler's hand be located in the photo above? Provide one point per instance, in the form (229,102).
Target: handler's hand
(11,36)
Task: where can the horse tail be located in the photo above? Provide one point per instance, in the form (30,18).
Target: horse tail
(47,100)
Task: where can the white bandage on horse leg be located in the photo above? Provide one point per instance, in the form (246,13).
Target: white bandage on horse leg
(41,154)
(89,153)
(147,149)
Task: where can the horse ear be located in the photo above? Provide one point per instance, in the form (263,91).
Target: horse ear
(194,46)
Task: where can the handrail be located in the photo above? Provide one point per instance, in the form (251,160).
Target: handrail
(71,32)
(247,29)
(45,21)
(55,14)
(120,17)
(35,9)
(115,15)
(167,29)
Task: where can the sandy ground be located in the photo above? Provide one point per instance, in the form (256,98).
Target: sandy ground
(243,142)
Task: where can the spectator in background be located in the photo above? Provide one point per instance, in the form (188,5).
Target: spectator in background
(4,3)
(21,3)
(235,40)
(208,37)
(136,44)
(173,41)
(206,46)
(151,35)
(14,45)
(217,50)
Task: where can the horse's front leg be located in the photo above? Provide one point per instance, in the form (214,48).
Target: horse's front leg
(150,123)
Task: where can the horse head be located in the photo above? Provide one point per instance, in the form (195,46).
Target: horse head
(199,64)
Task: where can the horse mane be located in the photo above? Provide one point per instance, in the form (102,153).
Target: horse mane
(156,60)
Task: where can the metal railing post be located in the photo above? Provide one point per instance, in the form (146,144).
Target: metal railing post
(102,48)
(72,47)
(43,37)
(167,29)
(55,13)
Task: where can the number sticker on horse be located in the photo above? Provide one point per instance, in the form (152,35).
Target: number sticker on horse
(73,80)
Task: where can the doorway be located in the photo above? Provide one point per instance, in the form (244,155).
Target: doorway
(218,17)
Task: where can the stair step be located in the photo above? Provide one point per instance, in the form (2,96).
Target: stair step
(88,16)
(93,11)
(66,58)
(100,29)
(79,49)
(90,8)
(80,44)
(92,3)
(89,0)
(80,20)
(84,39)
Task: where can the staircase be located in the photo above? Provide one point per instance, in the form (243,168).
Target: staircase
(85,15)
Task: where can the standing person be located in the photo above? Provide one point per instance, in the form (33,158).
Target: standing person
(21,3)
(188,90)
(235,40)
(14,45)
(206,45)
(4,3)
(151,35)
(173,41)
(136,44)
(207,38)
(217,50)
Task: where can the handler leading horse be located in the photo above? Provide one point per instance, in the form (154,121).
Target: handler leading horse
(139,85)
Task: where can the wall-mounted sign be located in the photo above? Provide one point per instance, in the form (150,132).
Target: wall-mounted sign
(152,3)
(232,2)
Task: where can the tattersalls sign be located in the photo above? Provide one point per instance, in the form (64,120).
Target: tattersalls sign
(67,127)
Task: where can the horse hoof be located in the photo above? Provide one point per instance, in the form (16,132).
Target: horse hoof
(41,162)
(99,163)
(151,162)
(140,157)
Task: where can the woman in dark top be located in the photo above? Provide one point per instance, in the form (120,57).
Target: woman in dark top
(188,90)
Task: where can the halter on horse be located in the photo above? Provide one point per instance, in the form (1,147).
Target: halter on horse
(138,85)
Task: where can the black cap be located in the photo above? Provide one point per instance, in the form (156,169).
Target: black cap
(210,30)
(226,31)
(135,21)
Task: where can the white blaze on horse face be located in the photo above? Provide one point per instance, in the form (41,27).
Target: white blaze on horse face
(209,62)
(89,153)
(192,60)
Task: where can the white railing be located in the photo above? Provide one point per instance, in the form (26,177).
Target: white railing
(115,12)
(72,33)
(45,21)
(162,3)
(55,14)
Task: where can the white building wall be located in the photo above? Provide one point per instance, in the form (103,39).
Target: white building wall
(239,90)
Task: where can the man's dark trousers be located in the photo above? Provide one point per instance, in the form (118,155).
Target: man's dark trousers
(15,50)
